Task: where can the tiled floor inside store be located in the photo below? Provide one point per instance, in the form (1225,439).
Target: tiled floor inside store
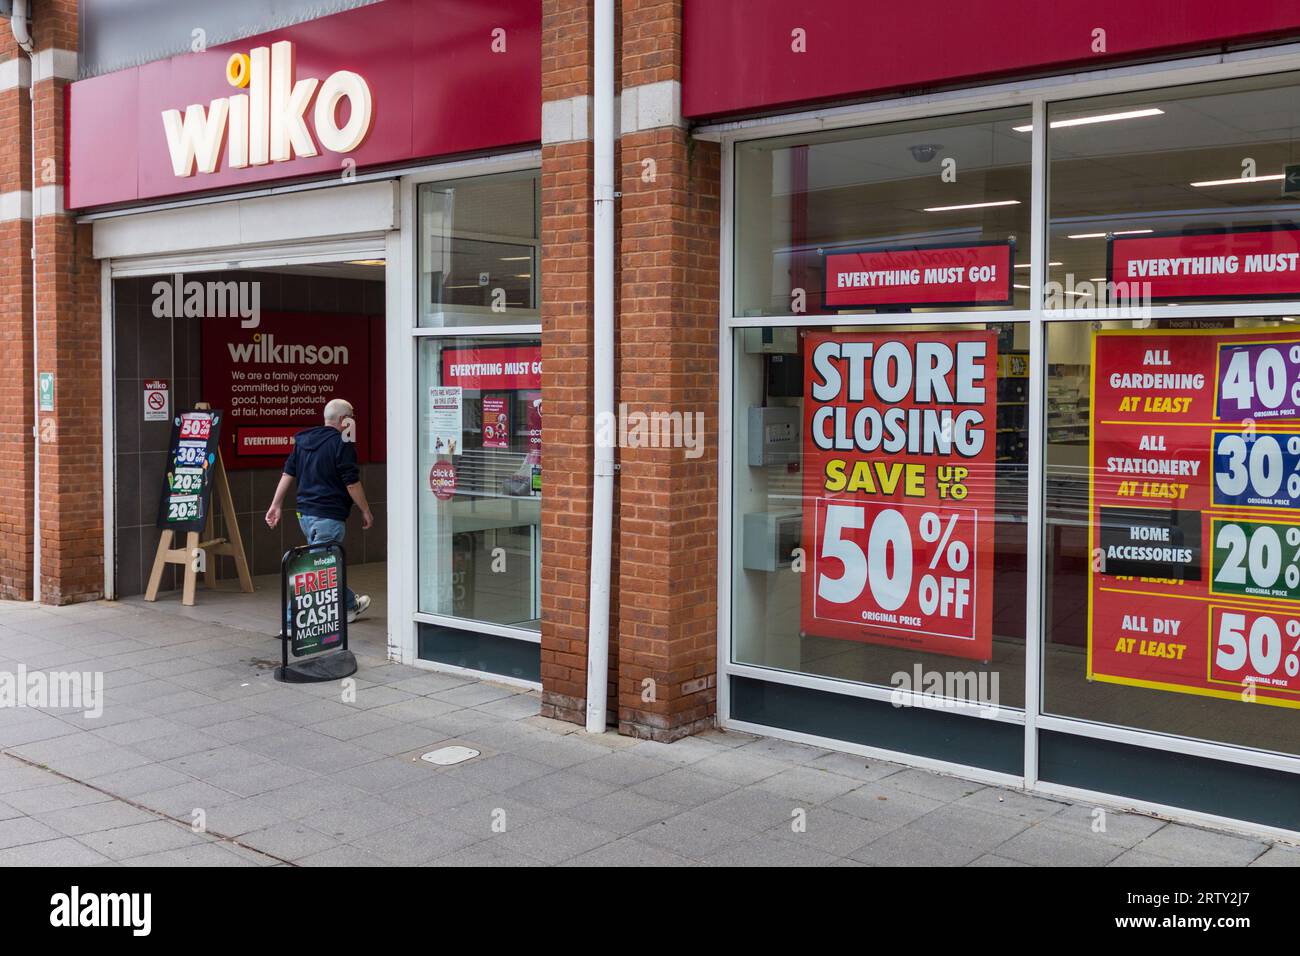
(200,758)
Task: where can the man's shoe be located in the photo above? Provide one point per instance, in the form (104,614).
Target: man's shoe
(363,602)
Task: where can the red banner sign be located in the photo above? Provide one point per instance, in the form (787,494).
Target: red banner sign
(1195,487)
(434,77)
(920,276)
(899,458)
(274,381)
(1208,266)
(493,368)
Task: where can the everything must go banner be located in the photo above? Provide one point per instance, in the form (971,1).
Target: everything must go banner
(898,488)
(920,275)
(1195,483)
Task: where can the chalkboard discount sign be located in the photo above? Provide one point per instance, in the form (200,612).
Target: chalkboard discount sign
(187,485)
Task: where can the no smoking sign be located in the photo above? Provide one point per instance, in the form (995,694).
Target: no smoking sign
(156,401)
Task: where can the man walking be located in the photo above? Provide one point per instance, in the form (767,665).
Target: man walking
(324,463)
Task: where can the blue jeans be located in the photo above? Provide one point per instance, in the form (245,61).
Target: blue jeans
(327,531)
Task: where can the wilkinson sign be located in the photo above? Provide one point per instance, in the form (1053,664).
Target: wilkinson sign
(268,124)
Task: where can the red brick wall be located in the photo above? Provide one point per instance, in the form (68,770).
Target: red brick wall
(566,370)
(668,325)
(664,602)
(68,343)
(17,386)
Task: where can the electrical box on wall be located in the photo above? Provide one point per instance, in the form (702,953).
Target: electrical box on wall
(773,435)
(768,539)
(771,341)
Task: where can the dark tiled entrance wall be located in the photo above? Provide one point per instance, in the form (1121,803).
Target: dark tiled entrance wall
(146,347)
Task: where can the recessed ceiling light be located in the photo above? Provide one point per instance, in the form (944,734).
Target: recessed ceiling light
(974,205)
(367,262)
(1098,118)
(1028,265)
(1102,235)
(1240,180)
(516,258)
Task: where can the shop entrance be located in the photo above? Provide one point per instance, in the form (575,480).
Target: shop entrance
(268,347)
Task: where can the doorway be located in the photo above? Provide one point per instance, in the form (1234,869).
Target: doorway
(268,347)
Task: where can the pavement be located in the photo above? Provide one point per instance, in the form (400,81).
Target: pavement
(200,758)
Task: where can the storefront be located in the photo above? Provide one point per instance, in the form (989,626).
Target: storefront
(1011,380)
(985,320)
(328,221)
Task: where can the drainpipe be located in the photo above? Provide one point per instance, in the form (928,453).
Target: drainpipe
(20,23)
(602,498)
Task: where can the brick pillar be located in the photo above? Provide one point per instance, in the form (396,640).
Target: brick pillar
(69,341)
(567,426)
(17,387)
(668,339)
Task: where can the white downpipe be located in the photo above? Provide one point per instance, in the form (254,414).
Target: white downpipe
(602,498)
(21,24)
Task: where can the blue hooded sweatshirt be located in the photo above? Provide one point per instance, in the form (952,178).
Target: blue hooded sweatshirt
(324,465)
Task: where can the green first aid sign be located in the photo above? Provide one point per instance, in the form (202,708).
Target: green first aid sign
(45,391)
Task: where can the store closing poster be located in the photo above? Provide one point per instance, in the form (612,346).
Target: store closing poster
(1195,483)
(898,485)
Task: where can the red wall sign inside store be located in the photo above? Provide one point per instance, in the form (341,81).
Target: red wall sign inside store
(1194,495)
(898,496)
(273,381)
(491,368)
(741,56)
(444,76)
(928,275)
(1209,265)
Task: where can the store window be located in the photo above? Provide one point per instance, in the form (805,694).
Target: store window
(478,422)
(1151,189)
(879,500)
(908,216)
(1172,586)
(480,250)
(480,466)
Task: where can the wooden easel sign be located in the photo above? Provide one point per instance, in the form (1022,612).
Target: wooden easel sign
(194,468)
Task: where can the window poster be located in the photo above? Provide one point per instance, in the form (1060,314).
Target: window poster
(1195,480)
(898,488)
(445,421)
(496,421)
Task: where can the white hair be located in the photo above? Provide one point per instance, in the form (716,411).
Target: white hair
(337,409)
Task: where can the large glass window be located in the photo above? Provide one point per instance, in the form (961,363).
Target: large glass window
(480,469)
(903,197)
(1165,171)
(480,250)
(1172,584)
(879,505)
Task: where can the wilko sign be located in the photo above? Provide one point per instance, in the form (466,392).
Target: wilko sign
(268,124)
(379,85)
(899,458)
(920,276)
(493,368)
(1209,265)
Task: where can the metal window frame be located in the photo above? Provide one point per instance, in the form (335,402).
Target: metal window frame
(402,369)
(1038,95)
